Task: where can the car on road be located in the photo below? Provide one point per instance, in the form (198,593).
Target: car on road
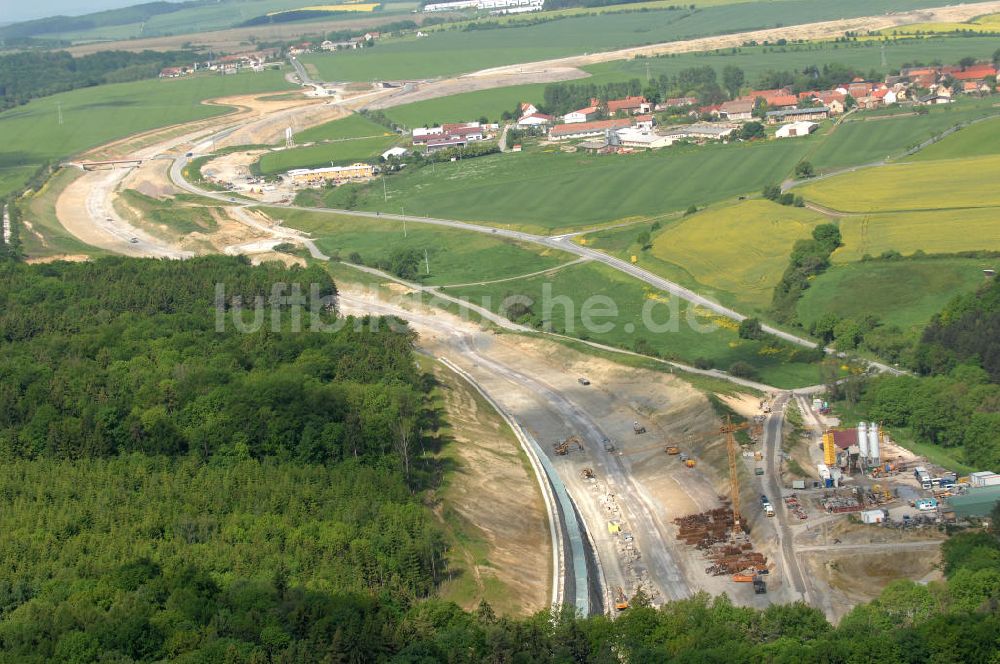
(583,381)
(134,240)
(189,154)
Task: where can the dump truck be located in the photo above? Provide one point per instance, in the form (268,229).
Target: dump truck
(690,463)
(638,428)
(758,470)
(673,450)
(759,585)
(621,602)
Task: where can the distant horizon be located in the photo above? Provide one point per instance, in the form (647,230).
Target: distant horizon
(47,8)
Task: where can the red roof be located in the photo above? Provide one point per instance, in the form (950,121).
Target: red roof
(976,72)
(540,116)
(628,103)
(597,125)
(590,110)
(644,118)
(844,438)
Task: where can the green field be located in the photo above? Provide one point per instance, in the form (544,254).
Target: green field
(31,134)
(982,138)
(344,151)
(198,17)
(906,293)
(466,106)
(554,191)
(353,126)
(875,136)
(938,231)
(741,249)
(710,337)
(455,256)
(931,185)
(455,51)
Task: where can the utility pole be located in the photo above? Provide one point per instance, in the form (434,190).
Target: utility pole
(59,106)
(385,196)
(427,263)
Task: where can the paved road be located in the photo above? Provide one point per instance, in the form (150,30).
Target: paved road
(772,450)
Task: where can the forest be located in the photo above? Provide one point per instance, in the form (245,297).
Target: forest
(177,489)
(27,75)
(954,398)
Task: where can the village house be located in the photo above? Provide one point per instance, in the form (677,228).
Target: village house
(676,102)
(780,98)
(587,114)
(629,105)
(736,110)
(645,122)
(586,129)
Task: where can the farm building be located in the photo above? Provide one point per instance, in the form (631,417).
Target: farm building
(582,115)
(394,152)
(738,110)
(677,102)
(535,120)
(633,137)
(586,129)
(979,501)
(796,129)
(645,122)
(445,143)
(700,132)
(424,134)
(630,105)
(304,176)
(798,114)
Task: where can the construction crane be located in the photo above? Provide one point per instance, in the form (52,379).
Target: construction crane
(734,479)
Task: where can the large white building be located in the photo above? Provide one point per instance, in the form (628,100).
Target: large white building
(508,6)
(794,129)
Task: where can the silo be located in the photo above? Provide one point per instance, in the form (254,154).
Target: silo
(873,442)
(863,439)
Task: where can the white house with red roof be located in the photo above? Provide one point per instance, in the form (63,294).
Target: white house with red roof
(582,115)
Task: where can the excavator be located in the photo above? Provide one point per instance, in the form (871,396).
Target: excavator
(571,443)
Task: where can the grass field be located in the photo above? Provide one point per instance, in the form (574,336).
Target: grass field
(199,17)
(902,292)
(550,191)
(573,286)
(989,23)
(455,256)
(875,136)
(353,126)
(344,151)
(741,249)
(31,134)
(455,51)
(937,231)
(465,106)
(930,185)
(982,138)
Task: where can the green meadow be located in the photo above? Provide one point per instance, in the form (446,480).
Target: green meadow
(982,138)
(552,191)
(687,335)
(353,126)
(454,256)
(344,151)
(906,293)
(31,134)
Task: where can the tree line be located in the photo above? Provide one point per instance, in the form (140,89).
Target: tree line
(31,74)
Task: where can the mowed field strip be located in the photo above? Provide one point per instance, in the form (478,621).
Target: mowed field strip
(932,185)
(935,231)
